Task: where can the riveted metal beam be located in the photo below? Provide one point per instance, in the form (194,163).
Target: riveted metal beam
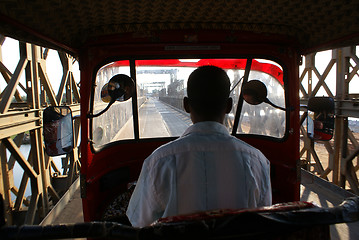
(339,168)
(13,123)
(21,116)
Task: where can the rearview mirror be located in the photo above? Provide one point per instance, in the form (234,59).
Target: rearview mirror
(58,130)
(120,88)
(320,120)
(254,92)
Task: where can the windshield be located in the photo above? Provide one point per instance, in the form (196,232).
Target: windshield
(157,110)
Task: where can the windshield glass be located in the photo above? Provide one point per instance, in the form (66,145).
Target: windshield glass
(160,88)
(264,119)
(113,124)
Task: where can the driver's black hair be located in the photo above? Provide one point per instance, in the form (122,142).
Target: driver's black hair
(208,90)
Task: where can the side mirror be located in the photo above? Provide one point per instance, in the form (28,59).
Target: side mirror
(120,88)
(58,130)
(254,92)
(320,120)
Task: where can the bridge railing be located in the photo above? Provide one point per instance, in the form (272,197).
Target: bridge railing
(336,160)
(32,182)
(176,102)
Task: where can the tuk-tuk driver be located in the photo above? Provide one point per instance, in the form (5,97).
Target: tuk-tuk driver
(206,168)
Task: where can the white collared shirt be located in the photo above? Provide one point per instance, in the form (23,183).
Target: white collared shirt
(205,169)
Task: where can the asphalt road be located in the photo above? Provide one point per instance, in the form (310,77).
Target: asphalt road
(157,119)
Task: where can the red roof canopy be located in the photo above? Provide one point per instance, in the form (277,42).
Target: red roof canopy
(268,68)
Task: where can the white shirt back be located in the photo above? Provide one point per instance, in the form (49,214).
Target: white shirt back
(205,169)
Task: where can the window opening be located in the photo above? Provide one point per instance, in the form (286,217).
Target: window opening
(161,86)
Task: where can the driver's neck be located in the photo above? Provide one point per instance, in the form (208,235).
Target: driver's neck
(198,118)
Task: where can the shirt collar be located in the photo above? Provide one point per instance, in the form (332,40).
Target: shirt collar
(206,128)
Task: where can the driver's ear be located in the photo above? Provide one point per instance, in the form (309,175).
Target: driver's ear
(186,104)
(229,105)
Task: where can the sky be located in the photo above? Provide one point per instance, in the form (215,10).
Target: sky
(10,58)
(321,61)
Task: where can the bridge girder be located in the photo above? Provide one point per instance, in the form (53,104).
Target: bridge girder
(22,116)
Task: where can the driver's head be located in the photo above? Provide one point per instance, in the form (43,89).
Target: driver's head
(208,90)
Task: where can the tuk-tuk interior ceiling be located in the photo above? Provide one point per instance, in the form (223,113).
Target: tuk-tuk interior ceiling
(67,25)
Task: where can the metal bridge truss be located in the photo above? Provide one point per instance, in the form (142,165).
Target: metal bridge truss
(19,117)
(336,160)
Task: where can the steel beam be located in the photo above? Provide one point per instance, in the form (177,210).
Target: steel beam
(346,106)
(11,87)
(5,188)
(15,122)
(349,108)
(343,108)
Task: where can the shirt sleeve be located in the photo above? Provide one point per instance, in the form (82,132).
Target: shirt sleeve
(143,208)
